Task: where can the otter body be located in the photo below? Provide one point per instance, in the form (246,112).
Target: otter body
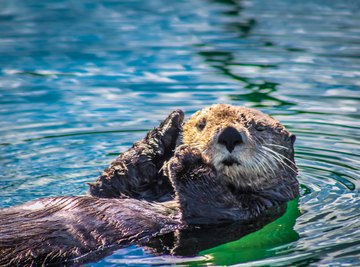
(225,164)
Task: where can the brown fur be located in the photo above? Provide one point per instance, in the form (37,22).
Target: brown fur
(258,167)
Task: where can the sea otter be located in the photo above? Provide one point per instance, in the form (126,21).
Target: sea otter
(225,164)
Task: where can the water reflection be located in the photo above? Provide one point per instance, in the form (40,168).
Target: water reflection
(242,28)
(79,78)
(224,61)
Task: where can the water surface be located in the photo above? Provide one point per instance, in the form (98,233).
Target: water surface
(80,81)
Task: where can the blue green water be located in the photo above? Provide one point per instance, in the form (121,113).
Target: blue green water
(80,81)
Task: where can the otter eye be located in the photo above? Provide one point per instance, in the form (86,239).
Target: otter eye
(260,127)
(201,125)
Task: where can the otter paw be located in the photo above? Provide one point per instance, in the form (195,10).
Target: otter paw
(184,162)
(174,120)
(168,131)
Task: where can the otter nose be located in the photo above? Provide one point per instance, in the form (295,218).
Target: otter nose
(230,137)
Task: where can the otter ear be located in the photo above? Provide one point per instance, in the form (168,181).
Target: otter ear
(292,138)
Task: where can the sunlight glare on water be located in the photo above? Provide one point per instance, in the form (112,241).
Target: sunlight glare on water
(80,81)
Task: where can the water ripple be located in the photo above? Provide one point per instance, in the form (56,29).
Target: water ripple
(81,81)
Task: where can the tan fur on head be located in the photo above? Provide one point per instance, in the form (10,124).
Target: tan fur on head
(266,151)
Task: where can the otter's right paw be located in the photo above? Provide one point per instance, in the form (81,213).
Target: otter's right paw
(138,171)
(163,138)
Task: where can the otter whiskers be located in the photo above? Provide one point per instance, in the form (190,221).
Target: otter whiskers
(281,159)
(266,164)
(284,147)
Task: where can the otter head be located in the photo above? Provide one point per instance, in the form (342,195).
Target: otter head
(246,147)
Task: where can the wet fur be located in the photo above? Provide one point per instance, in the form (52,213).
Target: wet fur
(201,190)
(62,229)
(137,172)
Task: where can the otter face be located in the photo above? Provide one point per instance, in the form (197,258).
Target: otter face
(247,147)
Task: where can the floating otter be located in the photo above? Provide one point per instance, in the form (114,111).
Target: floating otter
(231,164)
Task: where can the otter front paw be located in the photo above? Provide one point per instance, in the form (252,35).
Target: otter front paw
(163,138)
(201,195)
(185,163)
(138,171)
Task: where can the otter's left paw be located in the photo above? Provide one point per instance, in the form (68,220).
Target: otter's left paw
(185,163)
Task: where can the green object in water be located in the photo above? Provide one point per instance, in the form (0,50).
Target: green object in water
(261,244)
